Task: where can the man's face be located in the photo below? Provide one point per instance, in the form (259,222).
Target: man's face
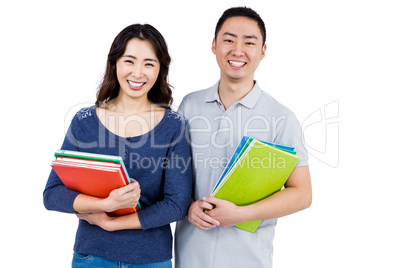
(238,48)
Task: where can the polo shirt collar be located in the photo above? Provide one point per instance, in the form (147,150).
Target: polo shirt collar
(248,101)
(212,94)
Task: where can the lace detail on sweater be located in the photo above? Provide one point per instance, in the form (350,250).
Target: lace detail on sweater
(84,113)
(176,116)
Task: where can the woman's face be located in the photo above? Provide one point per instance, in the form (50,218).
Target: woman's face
(137,70)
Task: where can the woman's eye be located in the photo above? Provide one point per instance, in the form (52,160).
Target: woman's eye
(129,61)
(149,65)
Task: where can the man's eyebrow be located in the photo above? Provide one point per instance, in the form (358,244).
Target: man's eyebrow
(133,57)
(230,34)
(250,36)
(245,36)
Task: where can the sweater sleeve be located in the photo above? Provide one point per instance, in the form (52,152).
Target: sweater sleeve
(177,186)
(56,196)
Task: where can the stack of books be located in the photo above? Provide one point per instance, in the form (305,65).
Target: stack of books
(92,174)
(255,171)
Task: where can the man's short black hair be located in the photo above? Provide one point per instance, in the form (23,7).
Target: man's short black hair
(242,12)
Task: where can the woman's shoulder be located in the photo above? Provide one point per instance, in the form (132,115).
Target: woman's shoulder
(173,116)
(84,124)
(173,123)
(86,112)
(84,117)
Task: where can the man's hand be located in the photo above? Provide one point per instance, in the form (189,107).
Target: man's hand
(198,217)
(225,212)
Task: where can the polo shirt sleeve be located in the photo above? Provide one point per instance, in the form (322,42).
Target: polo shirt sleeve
(182,106)
(289,133)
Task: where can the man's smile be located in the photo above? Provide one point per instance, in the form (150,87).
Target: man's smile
(236,63)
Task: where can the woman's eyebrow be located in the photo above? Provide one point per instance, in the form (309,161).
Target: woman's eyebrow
(133,57)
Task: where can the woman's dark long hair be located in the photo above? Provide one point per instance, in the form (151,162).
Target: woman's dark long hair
(161,92)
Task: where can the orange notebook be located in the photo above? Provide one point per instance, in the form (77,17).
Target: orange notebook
(95,178)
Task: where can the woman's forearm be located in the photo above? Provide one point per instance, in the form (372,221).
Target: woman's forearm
(124,197)
(130,221)
(90,204)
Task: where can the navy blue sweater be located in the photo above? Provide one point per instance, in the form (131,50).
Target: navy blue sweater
(159,160)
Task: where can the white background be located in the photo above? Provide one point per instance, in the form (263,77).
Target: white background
(345,55)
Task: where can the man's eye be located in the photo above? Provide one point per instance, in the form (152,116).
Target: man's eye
(228,41)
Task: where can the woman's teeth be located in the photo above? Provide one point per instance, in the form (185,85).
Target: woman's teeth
(133,84)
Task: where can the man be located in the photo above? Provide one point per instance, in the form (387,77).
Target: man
(218,118)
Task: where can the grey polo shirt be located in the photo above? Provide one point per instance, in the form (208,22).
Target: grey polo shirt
(215,133)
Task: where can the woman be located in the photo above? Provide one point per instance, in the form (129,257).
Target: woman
(132,119)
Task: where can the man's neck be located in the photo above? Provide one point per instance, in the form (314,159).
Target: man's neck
(233,91)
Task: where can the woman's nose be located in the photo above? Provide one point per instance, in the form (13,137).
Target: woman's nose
(137,71)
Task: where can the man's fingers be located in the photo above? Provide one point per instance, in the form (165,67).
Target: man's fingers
(211,200)
(208,219)
(205,206)
(199,218)
(203,221)
(202,224)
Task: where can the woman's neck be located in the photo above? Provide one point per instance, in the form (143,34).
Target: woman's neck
(130,118)
(128,106)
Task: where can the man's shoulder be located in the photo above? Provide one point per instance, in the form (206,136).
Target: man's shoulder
(195,101)
(197,96)
(268,101)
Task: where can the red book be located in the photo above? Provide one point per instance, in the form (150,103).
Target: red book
(91,177)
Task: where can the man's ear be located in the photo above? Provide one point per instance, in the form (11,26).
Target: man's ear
(214,46)
(264,48)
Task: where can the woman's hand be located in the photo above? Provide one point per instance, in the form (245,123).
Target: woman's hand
(97,218)
(124,197)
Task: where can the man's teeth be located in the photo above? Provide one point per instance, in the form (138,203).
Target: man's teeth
(133,84)
(237,63)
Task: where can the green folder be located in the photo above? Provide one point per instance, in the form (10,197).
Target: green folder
(258,171)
